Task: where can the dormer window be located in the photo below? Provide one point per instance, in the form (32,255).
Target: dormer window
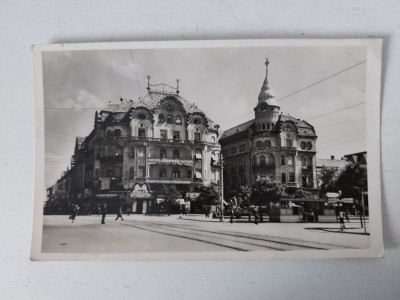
(170,119)
(142,116)
(197,121)
(161,118)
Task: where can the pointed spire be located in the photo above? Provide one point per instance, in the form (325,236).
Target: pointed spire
(266,93)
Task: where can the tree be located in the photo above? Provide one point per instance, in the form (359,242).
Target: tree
(244,199)
(328,178)
(171,195)
(208,196)
(351,180)
(264,191)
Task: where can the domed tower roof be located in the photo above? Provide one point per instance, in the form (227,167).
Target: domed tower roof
(267,94)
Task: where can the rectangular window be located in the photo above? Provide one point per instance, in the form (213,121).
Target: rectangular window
(283,178)
(142,172)
(197,136)
(288,143)
(141,152)
(198,175)
(142,132)
(291,177)
(176,135)
(163,134)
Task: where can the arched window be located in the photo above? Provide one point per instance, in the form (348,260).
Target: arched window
(170,119)
(262,160)
(178,120)
(197,121)
(258,144)
(161,118)
(175,173)
(197,136)
(213,139)
(131,173)
(309,146)
(268,143)
(117,132)
(289,142)
(303,145)
(290,160)
(175,154)
(163,173)
(163,153)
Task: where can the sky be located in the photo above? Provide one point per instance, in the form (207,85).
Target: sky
(322,85)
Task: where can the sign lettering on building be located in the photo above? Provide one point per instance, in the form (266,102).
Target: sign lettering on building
(140,191)
(105,183)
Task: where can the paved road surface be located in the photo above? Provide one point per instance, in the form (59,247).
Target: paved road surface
(138,233)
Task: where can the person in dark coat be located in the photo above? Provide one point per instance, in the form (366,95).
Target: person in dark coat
(119,214)
(75,209)
(103,213)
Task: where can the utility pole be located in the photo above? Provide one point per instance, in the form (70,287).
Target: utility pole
(363,206)
(222,188)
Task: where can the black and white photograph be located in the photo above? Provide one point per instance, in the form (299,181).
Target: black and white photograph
(216,150)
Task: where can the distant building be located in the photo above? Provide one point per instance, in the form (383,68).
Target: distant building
(272,145)
(357,158)
(336,164)
(138,147)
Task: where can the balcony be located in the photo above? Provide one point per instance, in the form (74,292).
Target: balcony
(169,180)
(111,159)
(170,161)
(306,168)
(275,148)
(268,166)
(167,141)
(293,184)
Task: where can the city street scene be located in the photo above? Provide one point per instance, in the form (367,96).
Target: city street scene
(214,149)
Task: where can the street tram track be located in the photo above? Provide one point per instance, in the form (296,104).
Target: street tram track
(185,237)
(237,235)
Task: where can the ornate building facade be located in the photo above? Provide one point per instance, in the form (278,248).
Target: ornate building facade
(274,146)
(139,146)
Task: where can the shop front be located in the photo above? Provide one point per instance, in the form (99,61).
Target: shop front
(113,199)
(142,199)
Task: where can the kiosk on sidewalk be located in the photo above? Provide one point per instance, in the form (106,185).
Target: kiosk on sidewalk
(302,210)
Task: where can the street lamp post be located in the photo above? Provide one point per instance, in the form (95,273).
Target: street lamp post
(363,207)
(221,218)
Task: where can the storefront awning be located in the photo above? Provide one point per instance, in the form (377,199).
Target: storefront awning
(198,175)
(198,156)
(159,200)
(180,201)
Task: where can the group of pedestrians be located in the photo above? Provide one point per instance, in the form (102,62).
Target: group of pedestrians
(102,210)
(310,216)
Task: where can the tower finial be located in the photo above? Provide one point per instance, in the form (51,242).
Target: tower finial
(266,67)
(148,82)
(177,86)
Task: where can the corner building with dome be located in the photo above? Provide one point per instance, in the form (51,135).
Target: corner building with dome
(273,146)
(137,148)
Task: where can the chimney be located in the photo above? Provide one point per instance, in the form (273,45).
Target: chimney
(332,157)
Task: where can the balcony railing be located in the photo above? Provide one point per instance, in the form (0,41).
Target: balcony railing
(264,166)
(169,180)
(292,184)
(171,161)
(168,141)
(275,148)
(114,158)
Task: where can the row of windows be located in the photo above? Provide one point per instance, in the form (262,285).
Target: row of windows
(266,143)
(263,126)
(170,119)
(115,132)
(306,145)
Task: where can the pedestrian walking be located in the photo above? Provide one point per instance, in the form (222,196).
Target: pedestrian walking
(119,214)
(341,220)
(75,209)
(346,214)
(103,213)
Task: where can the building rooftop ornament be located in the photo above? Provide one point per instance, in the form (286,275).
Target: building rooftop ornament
(266,93)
